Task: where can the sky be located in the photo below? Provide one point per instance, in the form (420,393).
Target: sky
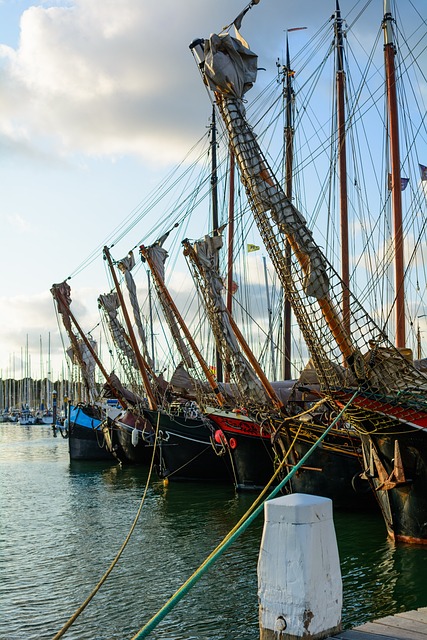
(99,99)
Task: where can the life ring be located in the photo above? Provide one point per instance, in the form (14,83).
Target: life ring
(359,484)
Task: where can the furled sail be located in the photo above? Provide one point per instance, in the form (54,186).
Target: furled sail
(126,265)
(230,70)
(204,262)
(110,303)
(158,256)
(78,352)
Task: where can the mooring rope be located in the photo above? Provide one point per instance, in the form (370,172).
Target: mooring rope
(235,532)
(83,606)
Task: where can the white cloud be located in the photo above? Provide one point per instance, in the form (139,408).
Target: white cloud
(102,78)
(108,78)
(19,223)
(34,317)
(111,79)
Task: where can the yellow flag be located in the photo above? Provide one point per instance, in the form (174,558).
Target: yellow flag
(252,247)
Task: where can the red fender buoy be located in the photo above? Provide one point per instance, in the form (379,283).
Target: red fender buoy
(219,437)
(233,443)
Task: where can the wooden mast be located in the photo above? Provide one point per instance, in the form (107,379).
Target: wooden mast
(230,234)
(230,248)
(208,373)
(289,157)
(396,182)
(342,163)
(141,365)
(189,250)
(92,351)
(215,221)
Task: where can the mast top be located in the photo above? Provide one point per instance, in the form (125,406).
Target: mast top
(387,24)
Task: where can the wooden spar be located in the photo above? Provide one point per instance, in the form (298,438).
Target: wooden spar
(214,175)
(150,305)
(141,364)
(246,349)
(270,320)
(253,361)
(289,161)
(208,373)
(342,163)
(94,355)
(396,182)
(331,315)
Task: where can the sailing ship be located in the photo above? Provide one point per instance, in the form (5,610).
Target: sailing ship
(186,446)
(86,438)
(349,350)
(94,429)
(267,404)
(351,354)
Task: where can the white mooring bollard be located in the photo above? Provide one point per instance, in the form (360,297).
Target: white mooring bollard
(299,575)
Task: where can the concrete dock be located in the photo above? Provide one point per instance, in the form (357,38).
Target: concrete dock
(409,625)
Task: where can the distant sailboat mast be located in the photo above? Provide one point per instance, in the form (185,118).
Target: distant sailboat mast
(396,190)
(49,373)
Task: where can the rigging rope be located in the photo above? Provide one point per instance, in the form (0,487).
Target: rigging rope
(235,532)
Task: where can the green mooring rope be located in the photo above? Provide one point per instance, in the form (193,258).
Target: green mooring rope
(228,540)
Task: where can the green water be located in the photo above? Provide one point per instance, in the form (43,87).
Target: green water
(62,523)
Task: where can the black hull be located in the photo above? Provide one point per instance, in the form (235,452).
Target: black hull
(334,474)
(187,451)
(253,463)
(333,469)
(251,453)
(141,453)
(134,447)
(85,440)
(401,488)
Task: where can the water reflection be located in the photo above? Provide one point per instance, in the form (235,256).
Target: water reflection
(63,522)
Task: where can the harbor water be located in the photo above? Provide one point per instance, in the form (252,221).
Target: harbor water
(62,524)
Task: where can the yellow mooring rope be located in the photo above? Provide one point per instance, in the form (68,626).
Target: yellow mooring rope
(235,532)
(83,606)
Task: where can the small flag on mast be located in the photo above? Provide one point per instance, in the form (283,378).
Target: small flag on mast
(423,171)
(403,183)
(252,247)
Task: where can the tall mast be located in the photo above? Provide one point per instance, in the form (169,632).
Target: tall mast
(63,304)
(141,364)
(230,234)
(150,306)
(396,183)
(230,247)
(342,163)
(145,252)
(48,374)
(270,321)
(289,158)
(41,374)
(215,222)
